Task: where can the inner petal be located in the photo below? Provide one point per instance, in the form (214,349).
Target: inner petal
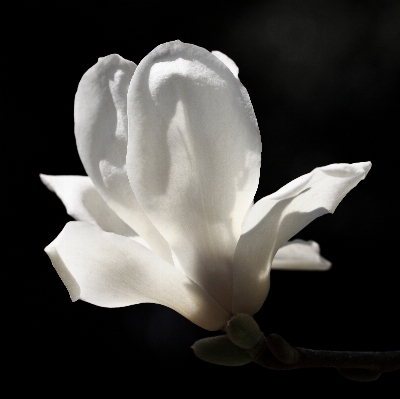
(101,131)
(193,158)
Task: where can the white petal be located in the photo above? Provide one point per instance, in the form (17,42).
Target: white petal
(193,158)
(247,212)
(114,271)
(84,203)
(228,62)
(101,130)
(276,218)
(300,255)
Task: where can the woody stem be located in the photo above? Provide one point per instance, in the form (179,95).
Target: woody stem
(277,354)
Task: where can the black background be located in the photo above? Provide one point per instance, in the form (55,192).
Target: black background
(323,78)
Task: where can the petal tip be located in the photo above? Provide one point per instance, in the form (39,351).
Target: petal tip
(113,60)
(110,58)
(366,167)
(46,180)
(67,278)
(360,169)
(325,264)
(43,177)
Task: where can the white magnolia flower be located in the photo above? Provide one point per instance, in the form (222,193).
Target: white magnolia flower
(172,151)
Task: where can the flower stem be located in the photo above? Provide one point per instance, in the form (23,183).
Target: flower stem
(277,354)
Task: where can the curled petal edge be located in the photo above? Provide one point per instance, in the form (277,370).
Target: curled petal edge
(274,219)
(300,255)
(84,203)
(114,271)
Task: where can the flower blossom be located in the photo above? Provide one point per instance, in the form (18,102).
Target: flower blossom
(172,151)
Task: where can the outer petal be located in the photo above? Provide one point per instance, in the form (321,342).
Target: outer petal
(85,204)
(101,130)
(228,62)
(300,255)
(113,271)
(193,158)
(276,218)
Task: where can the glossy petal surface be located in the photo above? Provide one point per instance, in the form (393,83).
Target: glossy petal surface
(113,271)
(276,218)
(193,158)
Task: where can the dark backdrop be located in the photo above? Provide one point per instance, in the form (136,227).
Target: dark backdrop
(323,78)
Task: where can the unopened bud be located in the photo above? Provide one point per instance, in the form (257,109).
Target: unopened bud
(243,331)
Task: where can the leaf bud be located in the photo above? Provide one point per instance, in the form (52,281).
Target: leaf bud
(220,350)
(281,349)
